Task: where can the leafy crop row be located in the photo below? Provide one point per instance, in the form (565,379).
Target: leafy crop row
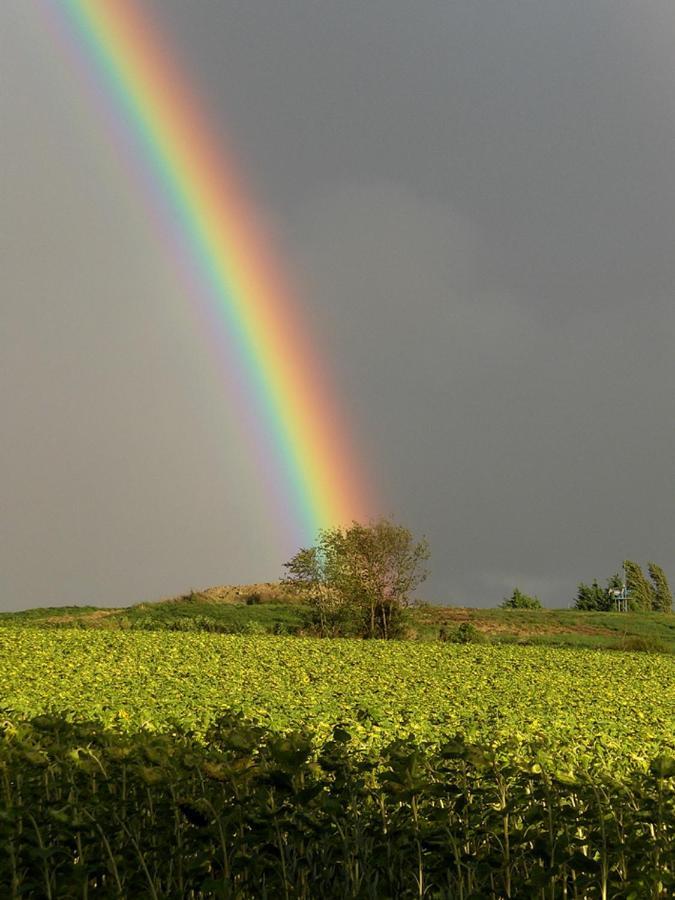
(591,709)
(375,769)
(248,813)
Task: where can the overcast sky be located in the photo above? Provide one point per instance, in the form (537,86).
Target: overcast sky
(478,200)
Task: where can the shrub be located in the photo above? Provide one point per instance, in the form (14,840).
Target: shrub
(466,633)
(592,597)
(519,600)
(639,643)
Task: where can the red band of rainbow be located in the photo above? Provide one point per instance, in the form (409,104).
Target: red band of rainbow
(305,435)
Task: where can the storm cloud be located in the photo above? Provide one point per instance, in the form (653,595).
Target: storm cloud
(477,201)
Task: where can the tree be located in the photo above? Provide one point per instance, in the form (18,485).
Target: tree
(662,598)
(362,572)
(595,598)
(591,597)
(640,591)
(519,600)
(314,570)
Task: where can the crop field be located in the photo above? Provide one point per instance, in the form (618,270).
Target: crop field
(207,765)
(589,707)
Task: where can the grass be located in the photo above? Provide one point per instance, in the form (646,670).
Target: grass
(230,618)
(227,610)
(555,627)
(270,608)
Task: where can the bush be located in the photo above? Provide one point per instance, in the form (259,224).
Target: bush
(519,600)
(466,633)
(284,628)
(181,623)
(338,621)
(638,643)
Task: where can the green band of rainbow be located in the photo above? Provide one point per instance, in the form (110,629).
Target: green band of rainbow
(305,432)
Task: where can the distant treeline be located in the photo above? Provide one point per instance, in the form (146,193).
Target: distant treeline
(633,592)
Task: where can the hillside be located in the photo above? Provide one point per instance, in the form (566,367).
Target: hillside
(270,607)
(260,607)
(567,627)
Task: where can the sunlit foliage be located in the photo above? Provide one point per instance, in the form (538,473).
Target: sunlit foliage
(589,706)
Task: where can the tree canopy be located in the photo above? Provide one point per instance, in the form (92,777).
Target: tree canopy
(594,598)
(642,595)
(662,598)
(639,590)
(519,600)
(360,577)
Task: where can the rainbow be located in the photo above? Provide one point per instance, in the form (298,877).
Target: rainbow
(302,440)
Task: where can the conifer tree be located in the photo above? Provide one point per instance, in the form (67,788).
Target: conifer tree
(640,591)
(519,600)
(592,597)
(662,598)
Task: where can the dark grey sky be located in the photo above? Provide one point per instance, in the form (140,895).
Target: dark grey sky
(478,199)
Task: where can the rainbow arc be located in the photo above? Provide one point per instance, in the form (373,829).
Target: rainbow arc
(306,440)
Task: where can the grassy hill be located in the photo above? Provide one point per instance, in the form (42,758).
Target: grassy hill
(270,607)
(255,608)
(568,627)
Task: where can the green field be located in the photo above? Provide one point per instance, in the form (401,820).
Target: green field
(173,763)
(269,608)
(585,705)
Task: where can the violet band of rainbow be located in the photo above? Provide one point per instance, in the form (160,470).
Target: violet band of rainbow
(302,424)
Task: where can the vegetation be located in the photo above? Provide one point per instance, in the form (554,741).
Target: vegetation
(519,600)
(465,633)
(358,579)
(639,590)
(636,643)
(595,598)
(190,749)
(181,749)
(548,627)
(589,706)
(284,613)
(662,597)
(641,596)
(249,813)
(247,612)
